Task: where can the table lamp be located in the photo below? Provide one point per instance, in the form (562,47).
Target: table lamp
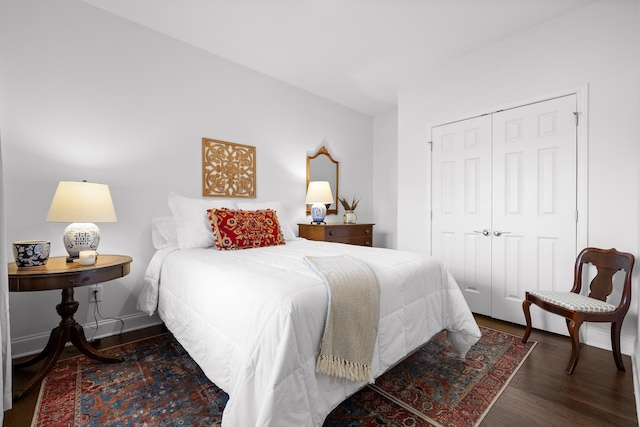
(81,204)
(319,197)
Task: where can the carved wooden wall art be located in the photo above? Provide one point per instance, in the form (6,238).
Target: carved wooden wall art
(228,169)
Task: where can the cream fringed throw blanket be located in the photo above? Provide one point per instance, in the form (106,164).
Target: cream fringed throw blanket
(351,327)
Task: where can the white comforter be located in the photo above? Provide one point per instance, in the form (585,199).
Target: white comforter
(253,320)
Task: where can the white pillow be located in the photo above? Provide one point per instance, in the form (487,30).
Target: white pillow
(192,223)
(163,232)
(287,231)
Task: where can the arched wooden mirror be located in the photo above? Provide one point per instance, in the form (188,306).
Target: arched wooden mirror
(322,167)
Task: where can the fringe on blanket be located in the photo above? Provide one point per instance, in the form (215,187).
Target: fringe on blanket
(340,368)
(353,315)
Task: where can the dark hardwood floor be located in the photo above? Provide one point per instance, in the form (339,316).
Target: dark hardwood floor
(540,394)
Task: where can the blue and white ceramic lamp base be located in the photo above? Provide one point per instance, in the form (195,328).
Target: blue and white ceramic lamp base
(318,212)
(80,236)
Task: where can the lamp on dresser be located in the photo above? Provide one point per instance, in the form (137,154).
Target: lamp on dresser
(319,196)
(82,204)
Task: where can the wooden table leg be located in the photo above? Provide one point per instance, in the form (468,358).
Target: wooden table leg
(78,339)
(67,330)
(51,353)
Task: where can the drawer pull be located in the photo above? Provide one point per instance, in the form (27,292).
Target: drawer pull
(367,230)
(330,232)
(86,279)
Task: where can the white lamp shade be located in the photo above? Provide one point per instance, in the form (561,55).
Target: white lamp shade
(82,202)
(319,192)
(319,195)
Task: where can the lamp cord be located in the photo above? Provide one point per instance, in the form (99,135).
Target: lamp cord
(96,314)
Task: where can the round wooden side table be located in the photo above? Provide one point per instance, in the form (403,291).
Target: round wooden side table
(59,274)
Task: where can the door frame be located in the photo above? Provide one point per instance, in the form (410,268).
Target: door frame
(582,152)
(590,336)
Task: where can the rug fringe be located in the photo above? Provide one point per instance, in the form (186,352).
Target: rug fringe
(336,367)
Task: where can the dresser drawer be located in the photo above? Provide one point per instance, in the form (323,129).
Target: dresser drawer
(348,231)
(353,234)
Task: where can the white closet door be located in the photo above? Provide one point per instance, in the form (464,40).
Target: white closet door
(504,206)
(534,205)
(461,192)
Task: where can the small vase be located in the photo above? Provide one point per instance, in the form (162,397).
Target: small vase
(350,217)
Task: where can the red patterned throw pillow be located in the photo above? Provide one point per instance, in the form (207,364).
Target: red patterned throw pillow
(241,229)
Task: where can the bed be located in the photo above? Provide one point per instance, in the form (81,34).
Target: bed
(253,319)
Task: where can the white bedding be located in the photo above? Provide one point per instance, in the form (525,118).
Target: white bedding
(253,320)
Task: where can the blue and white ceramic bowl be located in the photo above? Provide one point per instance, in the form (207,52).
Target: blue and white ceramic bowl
(31,253)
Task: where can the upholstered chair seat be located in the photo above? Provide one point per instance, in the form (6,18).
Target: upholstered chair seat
(574,302)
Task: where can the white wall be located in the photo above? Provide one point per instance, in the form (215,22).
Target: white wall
(87,95)
(385,179)
(636,353)
(596,45)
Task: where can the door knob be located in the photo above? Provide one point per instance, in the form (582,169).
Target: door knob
(499,233)
(484,232)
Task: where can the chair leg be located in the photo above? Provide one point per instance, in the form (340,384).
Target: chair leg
(574,329)
(615,344)
(526,305)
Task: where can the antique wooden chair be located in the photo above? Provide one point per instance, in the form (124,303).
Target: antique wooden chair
(578,308)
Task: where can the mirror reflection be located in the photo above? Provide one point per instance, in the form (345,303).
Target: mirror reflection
(322,167)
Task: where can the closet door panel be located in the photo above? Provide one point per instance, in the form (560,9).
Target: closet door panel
(461,169)
(534,205)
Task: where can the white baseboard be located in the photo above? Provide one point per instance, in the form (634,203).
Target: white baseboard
(33,344)
(601,338)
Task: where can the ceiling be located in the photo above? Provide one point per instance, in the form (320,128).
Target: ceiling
(353,52)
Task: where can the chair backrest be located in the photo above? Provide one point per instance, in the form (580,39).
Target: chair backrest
(607,262)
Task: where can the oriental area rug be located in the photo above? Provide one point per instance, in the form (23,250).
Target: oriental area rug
(160,385)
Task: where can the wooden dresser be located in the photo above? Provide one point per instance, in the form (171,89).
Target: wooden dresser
(353,234)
